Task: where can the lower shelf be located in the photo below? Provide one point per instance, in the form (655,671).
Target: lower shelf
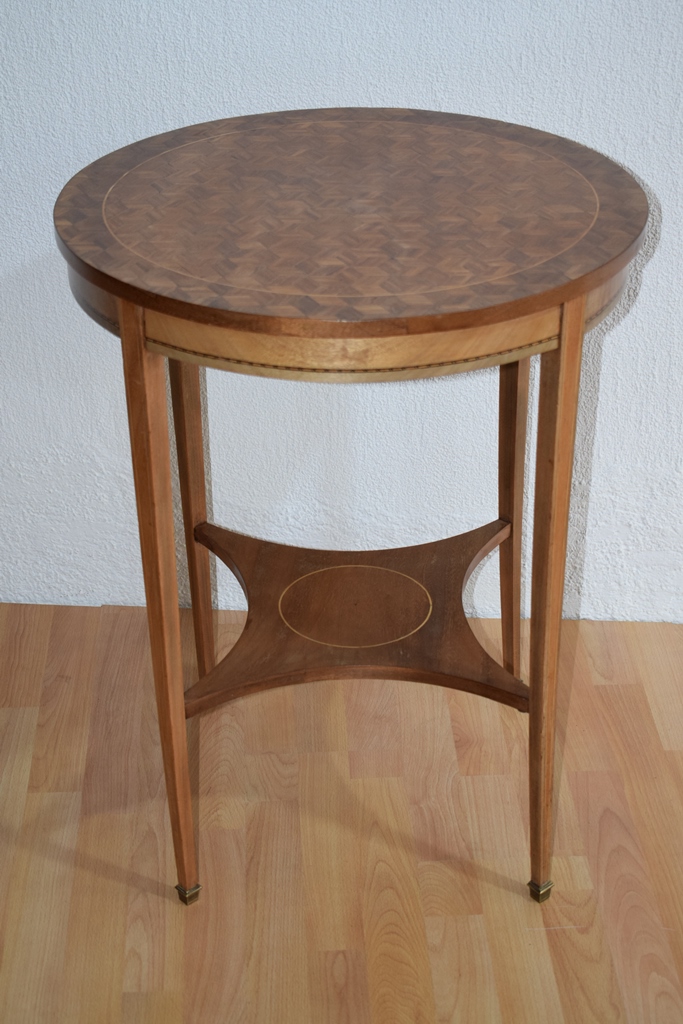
(393,614)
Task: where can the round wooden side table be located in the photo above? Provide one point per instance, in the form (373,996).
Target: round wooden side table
(351,245)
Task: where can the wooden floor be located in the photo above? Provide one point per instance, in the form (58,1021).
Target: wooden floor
(363,845)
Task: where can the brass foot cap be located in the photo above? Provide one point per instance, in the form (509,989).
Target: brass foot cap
(188,896)
(540,892)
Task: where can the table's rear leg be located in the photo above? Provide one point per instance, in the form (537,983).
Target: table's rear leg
(148,421)
(513,407)
(559,388)
(187,419)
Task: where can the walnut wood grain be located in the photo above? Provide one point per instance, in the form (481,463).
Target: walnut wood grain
(393,614)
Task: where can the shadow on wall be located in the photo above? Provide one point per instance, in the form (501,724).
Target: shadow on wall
(586,426)
(591,369)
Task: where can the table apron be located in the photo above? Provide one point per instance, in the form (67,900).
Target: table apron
(343,359)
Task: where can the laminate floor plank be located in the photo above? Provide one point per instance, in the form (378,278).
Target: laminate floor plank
(17,736)
(449,889)
(495,825)
(646,970)
(569,838)
(213,973)
(94,957)
(431,779)
(584,743)
(24,640)
(122,669)
(441,827)
(657,650)
(372,715)
(429,757)
(273,775)
(399,974)
(154,936)
(228,626)
(373,726)
(609,649)
(152,1008)
(339,987)
(330,830)
(478,733)
(270,725)
(376,763)
(462,971)
(648,777)
(320,715)
(39,890)
(582,960)
(65,700)
(106,876)
(277,941)
(518,945)
(17,733)
(222,780)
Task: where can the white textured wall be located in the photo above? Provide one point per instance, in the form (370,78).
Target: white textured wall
(352,465)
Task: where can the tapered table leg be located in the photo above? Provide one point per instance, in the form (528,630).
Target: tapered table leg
(146,397)
(559,388)
(187,419)
(513,407)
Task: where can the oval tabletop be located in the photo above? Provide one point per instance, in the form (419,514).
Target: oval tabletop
(325,221)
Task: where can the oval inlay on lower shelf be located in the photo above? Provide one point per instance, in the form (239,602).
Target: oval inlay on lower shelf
(355,606)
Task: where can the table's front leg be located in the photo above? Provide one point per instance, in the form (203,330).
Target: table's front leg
(148,421)
(559,390)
